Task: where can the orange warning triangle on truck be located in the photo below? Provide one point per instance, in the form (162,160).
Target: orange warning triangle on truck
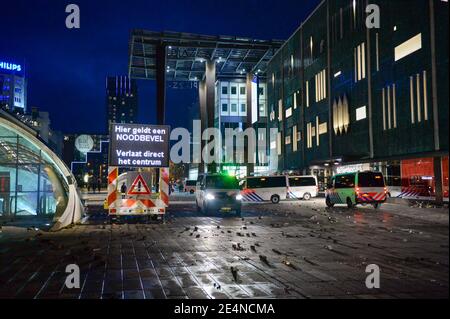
(139,187)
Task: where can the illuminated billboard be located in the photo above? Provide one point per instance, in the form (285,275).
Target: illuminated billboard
(139,145)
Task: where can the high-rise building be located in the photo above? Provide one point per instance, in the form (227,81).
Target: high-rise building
(347,98)
(13,86)
(121,100)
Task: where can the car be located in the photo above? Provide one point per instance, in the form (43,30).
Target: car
(365,187)
(218,192)
(190,186)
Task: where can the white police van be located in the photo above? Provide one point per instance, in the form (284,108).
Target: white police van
(302,187)
(265,188)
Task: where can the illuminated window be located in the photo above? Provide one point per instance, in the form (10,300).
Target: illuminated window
(389,107)
(361,113)
(279,143)
(410,46)
(360,62)
(294,138)
(321,83)
(288,140)
(418,97)
(289,112)
(307,93)
(280,110)
(309,133)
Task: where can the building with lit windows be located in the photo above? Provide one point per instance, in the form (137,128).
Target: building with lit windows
(121,100)
(231,113)
(344,97)
(34,181)
(13,86)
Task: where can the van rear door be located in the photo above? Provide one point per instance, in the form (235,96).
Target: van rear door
(371,187)
(300,185)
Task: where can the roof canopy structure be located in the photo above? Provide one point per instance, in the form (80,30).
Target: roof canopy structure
(186,54)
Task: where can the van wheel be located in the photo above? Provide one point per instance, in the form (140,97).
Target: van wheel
(376,205)
(191,191)
(328,202)
(238,213)
(306,196)
(275,199)
(350,203)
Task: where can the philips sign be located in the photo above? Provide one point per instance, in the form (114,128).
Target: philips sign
(10,66)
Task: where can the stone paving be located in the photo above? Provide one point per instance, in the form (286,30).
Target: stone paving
(293,250)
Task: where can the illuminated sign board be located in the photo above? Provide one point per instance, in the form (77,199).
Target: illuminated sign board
(84,143)
(139,145)
(10,66)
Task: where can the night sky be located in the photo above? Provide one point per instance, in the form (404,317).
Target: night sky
(66,68)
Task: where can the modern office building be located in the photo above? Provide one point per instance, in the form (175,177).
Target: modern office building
(121,100)
(231,113)
(13,86)
(346,97)
(33,180)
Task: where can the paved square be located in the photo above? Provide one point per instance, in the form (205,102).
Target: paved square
(292,250)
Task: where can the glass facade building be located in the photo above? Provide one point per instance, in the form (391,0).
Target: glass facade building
(33,180)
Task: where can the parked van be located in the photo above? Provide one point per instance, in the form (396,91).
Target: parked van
(357,188)
(302,187)
(265,188)
(189,186)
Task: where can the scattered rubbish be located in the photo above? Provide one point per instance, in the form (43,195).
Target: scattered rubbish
(198,236)
(238,247)
(253,248)
(309,261)
(195,228)
(244,227)
(218,227)
(329,247)
(264,259)
(248,235)
(289,264)
(217,286)
(277,252)
(234,272)
(253,234)
(239,234)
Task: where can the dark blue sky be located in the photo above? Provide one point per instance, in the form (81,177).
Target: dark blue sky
(67,68)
